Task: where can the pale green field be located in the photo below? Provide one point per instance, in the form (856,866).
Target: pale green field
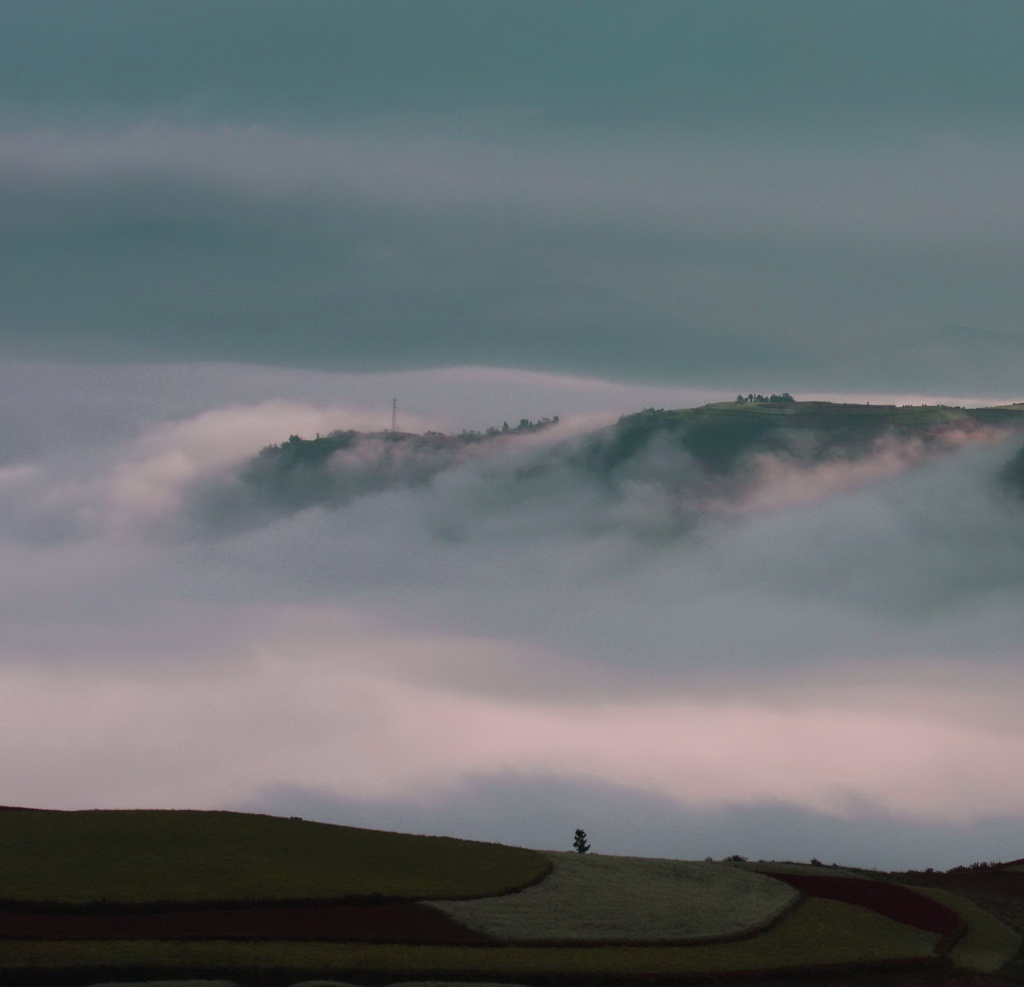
(595,897)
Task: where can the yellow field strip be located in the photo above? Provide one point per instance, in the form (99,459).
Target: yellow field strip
(818,932)
(988,943)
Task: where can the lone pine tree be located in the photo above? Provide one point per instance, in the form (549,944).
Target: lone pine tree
(580,843)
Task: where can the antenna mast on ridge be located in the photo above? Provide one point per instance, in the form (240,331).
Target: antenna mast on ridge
(394,414)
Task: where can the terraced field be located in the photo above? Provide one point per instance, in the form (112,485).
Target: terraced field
(270,902)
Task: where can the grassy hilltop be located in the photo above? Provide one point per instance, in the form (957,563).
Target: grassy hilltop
(720,434)
(107,857)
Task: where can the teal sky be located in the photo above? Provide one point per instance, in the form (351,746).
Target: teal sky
(775,67)
(731,193)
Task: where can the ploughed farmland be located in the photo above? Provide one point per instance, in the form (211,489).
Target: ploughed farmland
(261,900)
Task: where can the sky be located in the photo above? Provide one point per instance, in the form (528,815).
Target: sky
(223,223)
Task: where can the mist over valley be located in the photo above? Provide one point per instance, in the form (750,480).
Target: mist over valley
(688,622)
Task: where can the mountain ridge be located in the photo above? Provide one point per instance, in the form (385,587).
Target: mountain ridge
(690,456)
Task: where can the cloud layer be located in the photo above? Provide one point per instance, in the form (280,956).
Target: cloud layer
(841,640)
(713,263)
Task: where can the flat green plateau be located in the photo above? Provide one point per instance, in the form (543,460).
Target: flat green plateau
(824,414)
(182,856)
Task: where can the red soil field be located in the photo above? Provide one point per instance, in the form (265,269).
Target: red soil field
(339,923)
(890,900)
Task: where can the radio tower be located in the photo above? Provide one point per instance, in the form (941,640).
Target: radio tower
(394,415)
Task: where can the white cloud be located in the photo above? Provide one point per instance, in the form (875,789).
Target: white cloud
(215,736)
(824,635)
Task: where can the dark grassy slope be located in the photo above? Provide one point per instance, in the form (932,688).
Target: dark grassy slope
(149,856)
(712,445)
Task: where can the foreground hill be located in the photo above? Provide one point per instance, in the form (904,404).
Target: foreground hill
(110,895)
(149,857)
(713,451)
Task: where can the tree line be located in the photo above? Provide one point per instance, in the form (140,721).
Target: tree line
(784,398)
(525,425)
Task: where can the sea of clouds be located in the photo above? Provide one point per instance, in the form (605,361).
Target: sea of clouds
(798,654)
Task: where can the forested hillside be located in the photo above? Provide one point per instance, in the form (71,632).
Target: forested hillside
(717,450)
